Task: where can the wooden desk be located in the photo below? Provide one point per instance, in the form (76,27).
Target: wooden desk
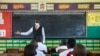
(94,53)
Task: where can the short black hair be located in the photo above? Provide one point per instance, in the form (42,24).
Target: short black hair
(37,20)
(30,50)
(63,42)
(71,42)
(34,43)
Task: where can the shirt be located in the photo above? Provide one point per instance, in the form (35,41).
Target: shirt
(61,47)
(64,53)
(31,30)
(39,53)
(42,47)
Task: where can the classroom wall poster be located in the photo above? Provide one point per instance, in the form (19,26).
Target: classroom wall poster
(93,19)
(5,24)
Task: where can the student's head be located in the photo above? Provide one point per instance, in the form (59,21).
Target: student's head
(79,50)
(37,22)
(39,39)
(34,43)
(71,43)
(30,50)
(63,42)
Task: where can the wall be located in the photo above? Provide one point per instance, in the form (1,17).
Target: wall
(48,1)
(91,44)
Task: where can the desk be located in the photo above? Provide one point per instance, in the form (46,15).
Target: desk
(94,53)
(7,54)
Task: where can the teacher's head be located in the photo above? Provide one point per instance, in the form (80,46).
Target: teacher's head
(37,22)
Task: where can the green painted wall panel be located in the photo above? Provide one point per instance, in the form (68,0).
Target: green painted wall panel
(93,32)
(91,44)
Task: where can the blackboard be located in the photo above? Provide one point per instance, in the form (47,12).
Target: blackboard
(56,25)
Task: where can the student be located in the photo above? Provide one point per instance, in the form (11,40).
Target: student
(63,45)
(31,50)
(41,47)
(70,44)
(79,50)
(37,30)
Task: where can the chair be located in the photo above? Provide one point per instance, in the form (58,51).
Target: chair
(48,54)
(15,54)
(12,51)
(21,50)
(3,54)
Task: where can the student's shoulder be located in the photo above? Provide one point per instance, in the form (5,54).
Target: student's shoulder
(66,51)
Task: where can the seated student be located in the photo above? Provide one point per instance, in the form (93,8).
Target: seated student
(30,50)
(79,50)
(70,44)
(63,45)
(41,47)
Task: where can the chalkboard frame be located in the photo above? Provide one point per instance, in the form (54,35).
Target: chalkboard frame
(43,13)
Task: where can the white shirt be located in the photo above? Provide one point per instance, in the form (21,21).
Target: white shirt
(64,53)
(61,47)
(42,47)
(31,30)
(39,53)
